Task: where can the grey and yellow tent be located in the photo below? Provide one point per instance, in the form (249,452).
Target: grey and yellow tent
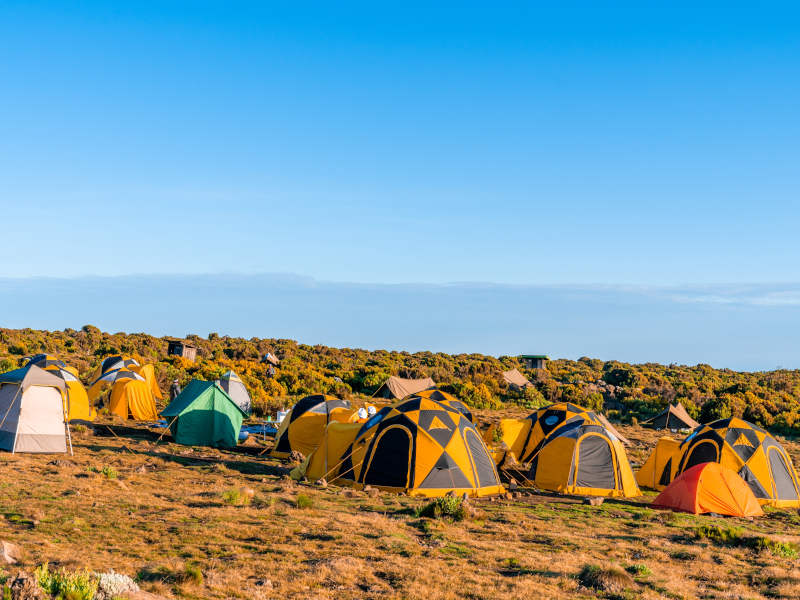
(130,394)
(303,428)
(565,448)
(656,470)
(746,449)
(78,405)
(204,415)
(445,398)
(44,361)
(585,459)
(113,362)
(419,446)
(522,437)
(149,374)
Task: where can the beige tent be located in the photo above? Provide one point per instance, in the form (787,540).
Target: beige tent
(33,411)
(515,379)
(672,417)
(607,424)
(398,388)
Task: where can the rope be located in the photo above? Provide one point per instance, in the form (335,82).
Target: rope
(168,427)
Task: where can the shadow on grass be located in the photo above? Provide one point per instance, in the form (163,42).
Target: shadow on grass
(521,571)
(241,466)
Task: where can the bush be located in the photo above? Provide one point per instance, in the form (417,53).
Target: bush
(732,536)
(194,574)
(445,507)
(781,549)
(106,471)
(304,501)
(722,536)
(641,570)
(80,585)
(497,433)
(235,497)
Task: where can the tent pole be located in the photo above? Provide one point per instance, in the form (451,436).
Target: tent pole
(168,427)
(66,421)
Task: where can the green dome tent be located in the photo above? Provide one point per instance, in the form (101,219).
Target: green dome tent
(204,415)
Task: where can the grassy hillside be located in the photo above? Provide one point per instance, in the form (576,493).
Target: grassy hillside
(192,522)
(625,391)
(204,523)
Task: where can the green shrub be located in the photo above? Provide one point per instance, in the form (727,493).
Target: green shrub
(193,573)
(304,501)
(497,434)
(235,497)
(106,471)
(80,585)
(641,570)
(781,549)
(732,536)
(445,507)
(722,536)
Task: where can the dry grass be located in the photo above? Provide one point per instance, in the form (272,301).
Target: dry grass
(203,523)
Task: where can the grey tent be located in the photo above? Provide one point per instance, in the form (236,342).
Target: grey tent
(398,388)
(672,417)
(234,387)
(33,411)
(515,379)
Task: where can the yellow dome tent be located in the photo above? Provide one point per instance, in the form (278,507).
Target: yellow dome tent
(419,446)
(78,405)
(522,437)
(303,428)
(43,361)
(748,450)
(149,374)
(326,461)
(445,398)
(114,362)
(565,448)
(655,472)
(130,395)
(583,458)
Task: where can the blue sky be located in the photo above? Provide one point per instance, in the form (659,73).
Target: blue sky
(535,144)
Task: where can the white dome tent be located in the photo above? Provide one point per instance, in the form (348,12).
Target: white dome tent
(33,411)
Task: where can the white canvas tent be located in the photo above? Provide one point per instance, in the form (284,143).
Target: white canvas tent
(33,411)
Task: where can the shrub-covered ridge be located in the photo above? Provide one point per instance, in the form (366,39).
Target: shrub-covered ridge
(627,391)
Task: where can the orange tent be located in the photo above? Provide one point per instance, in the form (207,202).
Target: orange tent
(710,488)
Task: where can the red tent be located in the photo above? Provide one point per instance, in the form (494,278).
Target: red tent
(710,488)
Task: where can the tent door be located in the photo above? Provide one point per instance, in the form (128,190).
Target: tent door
(390,462)
(784,484)
(703,452)
(595,463)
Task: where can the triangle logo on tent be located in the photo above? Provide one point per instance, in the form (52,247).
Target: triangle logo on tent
(742,441)
(436,423)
